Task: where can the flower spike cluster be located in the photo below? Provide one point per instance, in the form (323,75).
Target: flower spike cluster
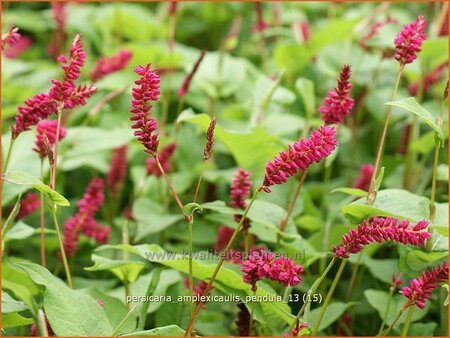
(10,38)
(240,189)
(47,129)
(421,288)
(18,48)
(365,175)
(147,89)
(84,220)
(300,156)
(263,264)
(63,94)
(338,103)
(409,41)
(117,170)
(381,229)
(164,157)
(108,65)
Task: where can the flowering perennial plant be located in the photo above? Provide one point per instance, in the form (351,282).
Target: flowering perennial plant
(301,155)
(420,289)
(381,229)
(408,42)
(338,103)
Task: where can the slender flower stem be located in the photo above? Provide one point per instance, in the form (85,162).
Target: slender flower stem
(191,270)
(435,165)
(53,172)
(42,324)
(408,321)
(386,311)
(353,278)
(169,183)
(197,188)
(313,289)
(395,321)
(42,220)
(252,311)
(8,154)
(53,209)
(372,194)
(221,260)
(328,297)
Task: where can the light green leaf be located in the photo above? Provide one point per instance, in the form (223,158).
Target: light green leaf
(14,320)
(410,104)
(379,178)
(70,312)
(10,305)
(305,88)
(419,260)
(351,191)
(24,178)
(164,331)
(20,231)
(127,271)
(332,313)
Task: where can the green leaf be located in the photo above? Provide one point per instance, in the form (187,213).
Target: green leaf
(164,331)
(379,299)
(422,329)
(410,104)
(305,88)
(14,320)
(24,178)
(332,313)
(152,218)
(440,229)
(127,271)
(434,51)
(351,191)
(419,260)
(11,217)
(10,305)
(154,281)
(381,269)
(379,179)
(70,312)
(390,202)
(241,145)
(20,231)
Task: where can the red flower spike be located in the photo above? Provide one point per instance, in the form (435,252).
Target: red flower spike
(118,169)
(338,103)
(47,128)
(301,155)
(381,229)
(409,41)
(164,158)
(147,89)
(243,320)
(365,176)
(22,44)
(421,288)
(111,64)
(10,38)
(240,189)
(28,205)
(223,237)
(187,80)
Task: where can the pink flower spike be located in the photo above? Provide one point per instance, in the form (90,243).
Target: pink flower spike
(93,197)
(256,267)
(240,189)
(10,38)
(28,205)
(111,64)
(164,157)
(224,234)
(421,288)
(286,272)
(147,90)
(301,155)
(409,41)
(47,128)
(117,170)
(338,103)
(18,48)
(381,229)
(365,176)
(187,80)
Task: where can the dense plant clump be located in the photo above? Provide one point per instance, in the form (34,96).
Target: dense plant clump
(224,169)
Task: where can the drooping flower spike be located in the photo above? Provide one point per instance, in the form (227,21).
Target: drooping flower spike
(243,320)
(23,44)
(47,129)
(111,64)
(381,229)
(338,103)
(147,90)
(300,156)
(421,288)
(408,42)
